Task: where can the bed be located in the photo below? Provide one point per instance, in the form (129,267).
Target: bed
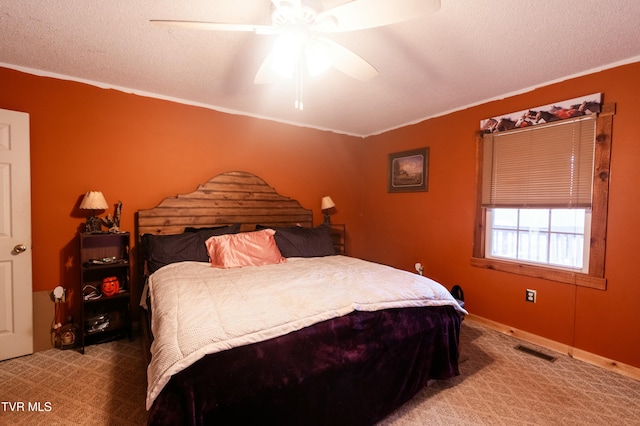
(253,318)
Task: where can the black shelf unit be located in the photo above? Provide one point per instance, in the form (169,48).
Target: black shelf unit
(104,318)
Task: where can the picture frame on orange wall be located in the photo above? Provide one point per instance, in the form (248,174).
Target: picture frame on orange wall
(409,171)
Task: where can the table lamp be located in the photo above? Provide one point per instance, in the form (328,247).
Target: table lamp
(93,200)
(326,205)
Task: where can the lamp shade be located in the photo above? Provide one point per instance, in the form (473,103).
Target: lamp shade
(94,200)
(327,203)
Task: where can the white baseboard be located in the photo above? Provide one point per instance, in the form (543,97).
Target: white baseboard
(600,361)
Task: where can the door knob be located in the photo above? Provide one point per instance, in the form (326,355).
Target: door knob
(20,248)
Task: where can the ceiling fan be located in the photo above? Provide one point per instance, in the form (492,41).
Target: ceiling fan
(301,26)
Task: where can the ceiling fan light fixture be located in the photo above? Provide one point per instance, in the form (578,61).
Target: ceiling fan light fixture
(317,59)
(283,14)
(286,54)
(287,13)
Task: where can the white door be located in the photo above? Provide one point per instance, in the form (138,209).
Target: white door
(16,316)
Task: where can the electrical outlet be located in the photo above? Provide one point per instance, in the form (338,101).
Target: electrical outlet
(530,296)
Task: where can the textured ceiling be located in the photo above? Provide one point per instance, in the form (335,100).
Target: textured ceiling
(466,53)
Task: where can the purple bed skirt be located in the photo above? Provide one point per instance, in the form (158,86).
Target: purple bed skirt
(352,370)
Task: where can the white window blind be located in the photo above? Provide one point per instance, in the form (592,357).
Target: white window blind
(546,165)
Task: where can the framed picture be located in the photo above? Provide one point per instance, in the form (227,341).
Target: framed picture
(409,171)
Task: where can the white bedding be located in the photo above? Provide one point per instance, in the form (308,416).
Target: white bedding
(198,310)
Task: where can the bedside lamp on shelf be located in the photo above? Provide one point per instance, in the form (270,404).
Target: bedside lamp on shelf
(326,206)
(93,200)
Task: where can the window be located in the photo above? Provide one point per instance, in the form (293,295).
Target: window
(542,198)
(553,237)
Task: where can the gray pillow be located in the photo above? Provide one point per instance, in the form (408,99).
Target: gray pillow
(161,250)
(298,241)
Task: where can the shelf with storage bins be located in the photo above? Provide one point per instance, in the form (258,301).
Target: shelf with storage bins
(339,238)
(104,256)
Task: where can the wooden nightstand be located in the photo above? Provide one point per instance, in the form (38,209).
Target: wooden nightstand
(104,318)
(339,238)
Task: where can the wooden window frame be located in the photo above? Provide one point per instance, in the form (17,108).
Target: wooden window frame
(595,277)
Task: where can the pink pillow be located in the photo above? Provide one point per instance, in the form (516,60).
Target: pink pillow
(244,249)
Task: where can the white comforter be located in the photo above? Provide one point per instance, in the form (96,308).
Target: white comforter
(198,310)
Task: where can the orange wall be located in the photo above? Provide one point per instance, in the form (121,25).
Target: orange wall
(436,227)
(140,150)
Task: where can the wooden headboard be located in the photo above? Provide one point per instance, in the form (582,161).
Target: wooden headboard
(229,198)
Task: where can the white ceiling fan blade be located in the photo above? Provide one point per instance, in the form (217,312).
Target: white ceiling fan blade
(363,14)
(346,61)
(216,26)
